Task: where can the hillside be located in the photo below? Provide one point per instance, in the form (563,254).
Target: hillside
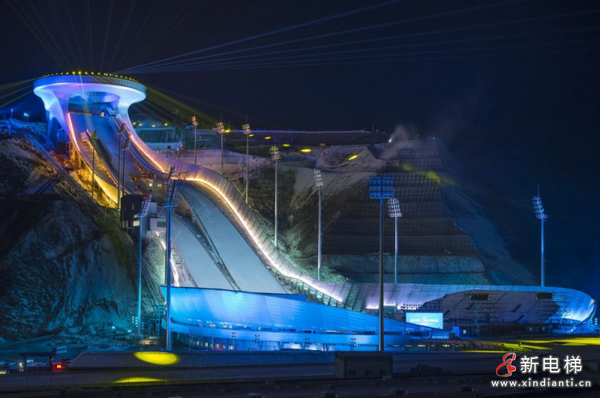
(64,267)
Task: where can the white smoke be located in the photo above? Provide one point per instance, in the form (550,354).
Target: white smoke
(404,132)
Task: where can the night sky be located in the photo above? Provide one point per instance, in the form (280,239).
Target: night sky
(517,108)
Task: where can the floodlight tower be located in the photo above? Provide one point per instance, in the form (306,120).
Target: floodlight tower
(93,164)
(123,146)
(174,185)
(143,213)
(195,123)
(276,157)
(247,132)
(221,131)
(319,184)
(119,133)
(395,213)
(540,215)
(381,187)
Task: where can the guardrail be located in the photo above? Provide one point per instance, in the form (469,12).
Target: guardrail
(327,292)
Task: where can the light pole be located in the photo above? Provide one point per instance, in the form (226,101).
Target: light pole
(119,175)
(540,215)
(143,213)
(121,132)
(247,132)
(319,184)
(93,164)
(122,176)
(195,123)
(395,213)
(381,187)
(174,186)
(276,157)
(221,131)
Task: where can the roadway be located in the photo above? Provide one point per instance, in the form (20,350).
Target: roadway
(245,267)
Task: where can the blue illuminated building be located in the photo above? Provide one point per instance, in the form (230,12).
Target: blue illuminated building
(227,320)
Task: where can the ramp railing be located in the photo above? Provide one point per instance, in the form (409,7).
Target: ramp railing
(327,292)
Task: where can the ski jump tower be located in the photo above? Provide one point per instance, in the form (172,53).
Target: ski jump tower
(89,112)
(83,91)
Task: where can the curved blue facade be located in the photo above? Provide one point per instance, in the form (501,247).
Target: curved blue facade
(273,321)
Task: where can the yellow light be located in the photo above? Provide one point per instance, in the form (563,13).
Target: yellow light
(154,125)
(267,138)
(134,123)
(251,135)
(432,175)
(286,145)
(228,131)
(157,357)
(352,157)
(166,124)
(79,72)
(140,124)
(138,380)
(575,341)
(305,150)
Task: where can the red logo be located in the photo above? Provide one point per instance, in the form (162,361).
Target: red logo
(507,360)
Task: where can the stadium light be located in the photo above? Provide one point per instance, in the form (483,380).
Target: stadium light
(276,156)
(381,187)
(174,185)
(143,213)
(92,139)
(319,184)
(195,123)
(394,212)
(542,216)
(120,133)
(121,176)
(247,132)
(221,131)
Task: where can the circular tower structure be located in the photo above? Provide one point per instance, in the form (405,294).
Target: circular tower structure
(84,92)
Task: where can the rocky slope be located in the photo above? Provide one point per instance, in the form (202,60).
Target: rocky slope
(345,179)
(63,266)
